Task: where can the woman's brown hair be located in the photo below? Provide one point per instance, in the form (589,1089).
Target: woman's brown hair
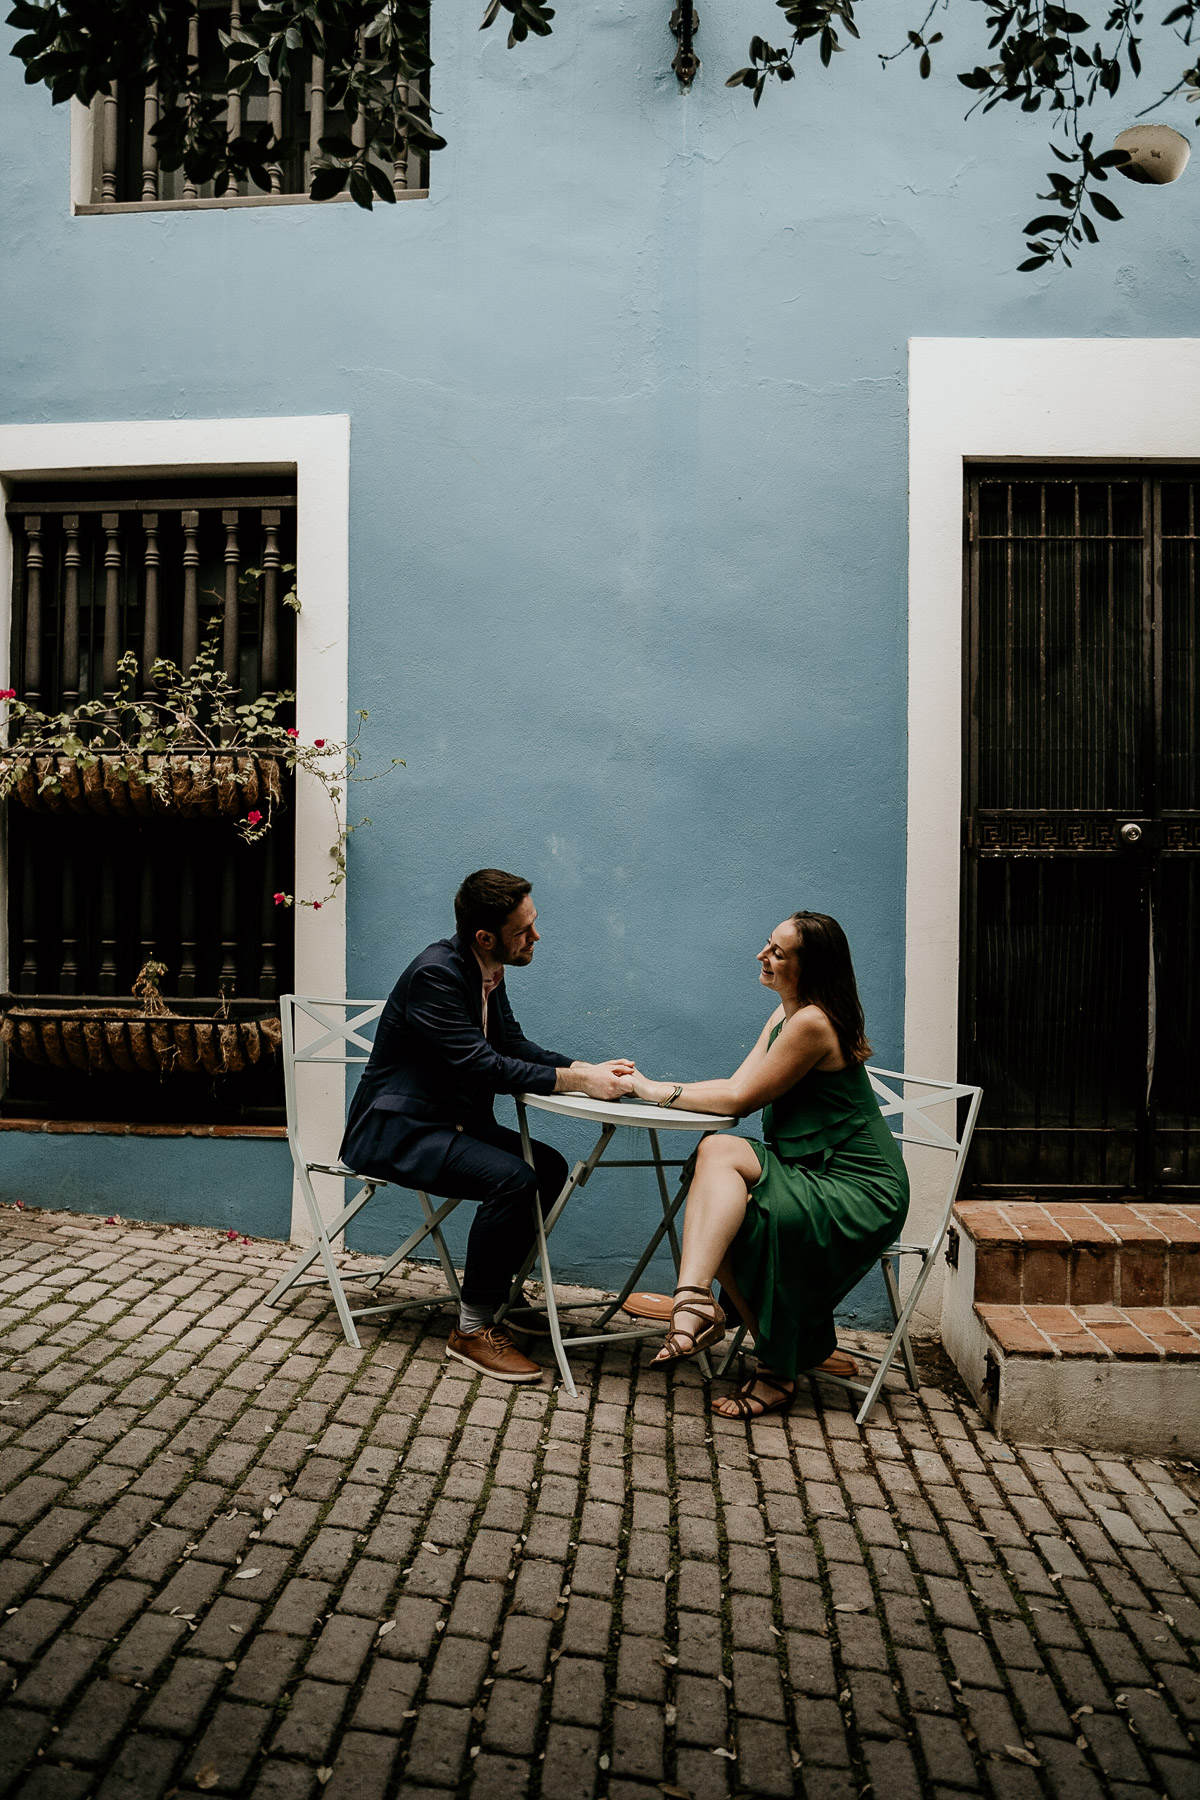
(826,979)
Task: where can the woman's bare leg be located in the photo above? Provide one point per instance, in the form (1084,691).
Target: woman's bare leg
(726,1170)
(745,1310)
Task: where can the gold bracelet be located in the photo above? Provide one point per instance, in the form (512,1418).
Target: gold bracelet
(672,1097)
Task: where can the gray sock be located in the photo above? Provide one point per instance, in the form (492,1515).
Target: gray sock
(474,1318)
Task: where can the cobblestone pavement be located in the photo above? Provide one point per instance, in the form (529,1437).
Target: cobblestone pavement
(242,1559)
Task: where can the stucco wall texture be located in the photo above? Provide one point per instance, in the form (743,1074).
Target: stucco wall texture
(628,542)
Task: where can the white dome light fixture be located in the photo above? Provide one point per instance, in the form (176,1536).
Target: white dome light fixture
(1157,153)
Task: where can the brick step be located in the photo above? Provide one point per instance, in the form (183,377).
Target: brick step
(1101,1377)
(1138,1333)
(1074,1253)
(1078,1323)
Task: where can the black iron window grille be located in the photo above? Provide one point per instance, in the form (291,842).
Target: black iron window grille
(125,165)
(107,876)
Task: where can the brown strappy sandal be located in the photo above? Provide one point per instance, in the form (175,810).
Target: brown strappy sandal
(749,1406)
(713,1329)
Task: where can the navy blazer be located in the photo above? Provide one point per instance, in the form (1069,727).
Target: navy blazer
(432,1063)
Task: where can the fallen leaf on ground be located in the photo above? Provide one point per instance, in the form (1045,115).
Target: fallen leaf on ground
(854,1606)
(323,1775)
(388,1625)
(729,1755)
(247,1574)
(674,1793)
(207,1777)
(1021,1755)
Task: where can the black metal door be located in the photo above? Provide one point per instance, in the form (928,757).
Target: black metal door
(1081,830)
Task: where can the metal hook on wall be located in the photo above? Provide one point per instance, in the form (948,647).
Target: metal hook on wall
(685,23)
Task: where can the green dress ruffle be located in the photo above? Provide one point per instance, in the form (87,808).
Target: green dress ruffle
(832,1195)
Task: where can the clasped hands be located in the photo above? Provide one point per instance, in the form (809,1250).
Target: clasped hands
(620,1079)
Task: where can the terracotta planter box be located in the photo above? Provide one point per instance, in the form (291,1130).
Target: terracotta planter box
(124,1041)
(203,784)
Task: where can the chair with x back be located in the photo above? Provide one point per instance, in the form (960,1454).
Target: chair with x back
(334,1033)
(910,1101)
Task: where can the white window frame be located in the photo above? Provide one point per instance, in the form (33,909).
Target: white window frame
(318,451)
(994,400)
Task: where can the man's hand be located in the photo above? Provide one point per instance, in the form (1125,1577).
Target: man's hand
(599,1081)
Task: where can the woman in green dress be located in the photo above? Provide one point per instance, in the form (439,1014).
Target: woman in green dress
(789,1225)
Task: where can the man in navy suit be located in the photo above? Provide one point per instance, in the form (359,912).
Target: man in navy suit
(446,1045)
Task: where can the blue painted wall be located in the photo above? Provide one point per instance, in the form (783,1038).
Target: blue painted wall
(230,1184)
(628,503)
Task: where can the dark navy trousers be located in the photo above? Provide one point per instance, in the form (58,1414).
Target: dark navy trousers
(492,1171)
(483,1163)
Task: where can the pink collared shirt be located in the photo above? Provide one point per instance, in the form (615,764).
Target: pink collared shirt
(490,984)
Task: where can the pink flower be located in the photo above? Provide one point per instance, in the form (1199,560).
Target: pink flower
(245,1240)
(318,743)
(252,818)
(111,1221)
(20,1205)
(8,693)
(279,899)
(232,1236)
(316,906)
(292,732)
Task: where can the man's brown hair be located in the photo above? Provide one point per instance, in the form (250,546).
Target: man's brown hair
(485,900)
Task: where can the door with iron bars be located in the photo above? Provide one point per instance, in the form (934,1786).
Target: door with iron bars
(1081,829)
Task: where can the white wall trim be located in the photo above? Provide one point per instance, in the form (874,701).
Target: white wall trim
(969,399)
(84,146)
(318,449)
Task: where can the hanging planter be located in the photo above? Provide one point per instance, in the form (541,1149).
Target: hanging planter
(190,785)
(123,1040)
(185,749)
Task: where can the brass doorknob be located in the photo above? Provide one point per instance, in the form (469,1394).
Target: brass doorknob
(1131,833)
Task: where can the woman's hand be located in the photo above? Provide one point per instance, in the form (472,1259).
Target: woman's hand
(646,1089)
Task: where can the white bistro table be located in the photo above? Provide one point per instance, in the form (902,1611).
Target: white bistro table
(609,1116)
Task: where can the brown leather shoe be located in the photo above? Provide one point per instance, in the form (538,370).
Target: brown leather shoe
(491,1351)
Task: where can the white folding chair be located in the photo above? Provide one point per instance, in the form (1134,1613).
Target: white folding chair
(911,1099)
(332,1032)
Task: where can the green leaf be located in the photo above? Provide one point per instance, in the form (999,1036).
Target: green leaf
(1031,262)
(1104,206)
(382,183)
(325,183)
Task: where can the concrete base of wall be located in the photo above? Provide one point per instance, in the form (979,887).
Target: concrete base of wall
(1129,1408)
